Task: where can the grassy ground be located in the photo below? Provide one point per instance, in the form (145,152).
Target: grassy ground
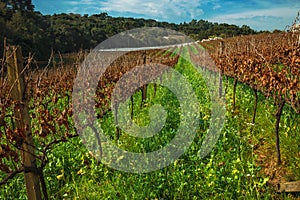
(240,166)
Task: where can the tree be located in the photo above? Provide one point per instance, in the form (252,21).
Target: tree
(19,5)
(246,30)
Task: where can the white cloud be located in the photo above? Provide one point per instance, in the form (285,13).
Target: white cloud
(160,9)
(81,6)
(82,2)
(255,13)
(274,12)
(261,19)
(217,6)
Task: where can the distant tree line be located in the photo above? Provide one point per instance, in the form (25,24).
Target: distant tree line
(39,34)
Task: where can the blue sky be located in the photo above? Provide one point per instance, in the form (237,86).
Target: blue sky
(258,14)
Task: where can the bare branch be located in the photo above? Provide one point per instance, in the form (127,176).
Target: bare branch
(11,176)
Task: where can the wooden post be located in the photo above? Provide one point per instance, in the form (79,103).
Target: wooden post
(144,94)
(118,131)
(255,105)
(14,61)
(278,116)
(222,47)
(2,72)
(144,87)
(155,89)
(220,84)
(132,106)
(290,187)
(234,92)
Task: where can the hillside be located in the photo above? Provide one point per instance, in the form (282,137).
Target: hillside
(39,34)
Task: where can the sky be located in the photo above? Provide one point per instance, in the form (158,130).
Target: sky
(258,14)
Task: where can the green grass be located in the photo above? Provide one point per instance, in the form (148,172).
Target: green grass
(193,49)
(175,52)
(263,133)
(230,171)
